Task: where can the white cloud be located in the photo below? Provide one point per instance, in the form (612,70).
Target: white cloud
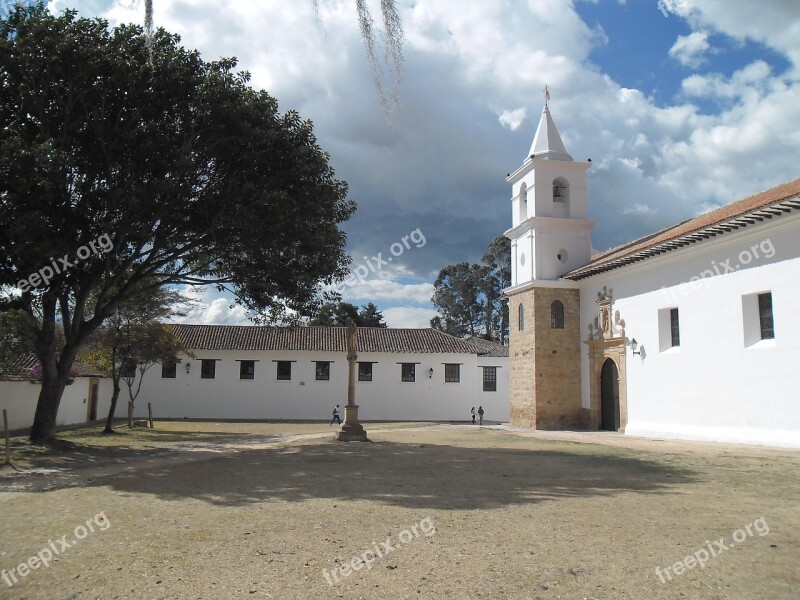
(406,316)
(211,308)
(638,209)
(374,290)
(689,49)
(512,119)
(776,24)
(443,166)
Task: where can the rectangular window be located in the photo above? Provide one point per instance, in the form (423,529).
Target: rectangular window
(247,369)
(452,373)
(208,368)
(364,371)
(407,372)
(489,379)
(765,316)
(168,369)
(323,370)
(674,326)
(128,369)
(284,370)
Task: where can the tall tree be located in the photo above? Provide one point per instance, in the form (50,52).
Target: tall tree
(370,316)
(459,297)
(498,261)
(469,297)
(116,170)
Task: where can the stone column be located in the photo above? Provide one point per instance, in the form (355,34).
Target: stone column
(351,430)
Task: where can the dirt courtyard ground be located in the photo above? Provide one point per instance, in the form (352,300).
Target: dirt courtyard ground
(275,510)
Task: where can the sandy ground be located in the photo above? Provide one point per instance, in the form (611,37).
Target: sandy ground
(217,511)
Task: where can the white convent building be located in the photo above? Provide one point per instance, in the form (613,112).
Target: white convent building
(690,332)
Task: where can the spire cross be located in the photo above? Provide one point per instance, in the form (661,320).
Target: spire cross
(546,94)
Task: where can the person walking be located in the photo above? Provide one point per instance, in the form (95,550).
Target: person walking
(480,414)
(335,416)
(472,412)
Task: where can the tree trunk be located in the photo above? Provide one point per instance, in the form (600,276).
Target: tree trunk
(113,409)
(43,430)
(130,415)
(55,373)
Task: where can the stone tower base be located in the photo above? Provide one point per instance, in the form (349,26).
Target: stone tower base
(545,361)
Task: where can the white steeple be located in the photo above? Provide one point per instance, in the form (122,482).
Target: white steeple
(550,233)
(547,143)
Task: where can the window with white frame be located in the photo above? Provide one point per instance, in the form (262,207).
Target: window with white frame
(452,373)
(669,333)
(758,319)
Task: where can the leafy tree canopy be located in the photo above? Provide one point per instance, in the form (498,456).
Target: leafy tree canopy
(469,296)
(339,314)
(117,169)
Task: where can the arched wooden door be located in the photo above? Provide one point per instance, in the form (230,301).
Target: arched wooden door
(609,396)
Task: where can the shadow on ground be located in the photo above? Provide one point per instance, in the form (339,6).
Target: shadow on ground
(86,449)
(409,475)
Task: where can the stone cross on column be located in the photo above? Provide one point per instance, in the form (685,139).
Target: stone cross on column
(351,430)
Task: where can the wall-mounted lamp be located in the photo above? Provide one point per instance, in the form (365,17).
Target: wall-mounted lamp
(188,367)
(634,345)
(430,373)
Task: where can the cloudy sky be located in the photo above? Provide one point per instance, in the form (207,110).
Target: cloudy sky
(682,105)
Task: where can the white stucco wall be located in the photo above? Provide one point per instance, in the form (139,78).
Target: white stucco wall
(495,404)
(715,385)
(19,398)
(303,397)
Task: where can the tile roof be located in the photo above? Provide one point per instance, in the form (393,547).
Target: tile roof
(323,339)
(765,205)
(487,348)
(20,369)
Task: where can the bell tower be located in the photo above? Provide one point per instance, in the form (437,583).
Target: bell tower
(550,235)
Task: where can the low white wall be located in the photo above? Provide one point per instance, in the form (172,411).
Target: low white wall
(386,397)
(715,385)
(19,398)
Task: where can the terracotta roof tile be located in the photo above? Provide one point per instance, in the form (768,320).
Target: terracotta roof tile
(775,201)
(323,339)
(487,348)
(20,369)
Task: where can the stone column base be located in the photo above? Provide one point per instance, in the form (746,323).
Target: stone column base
(351,430)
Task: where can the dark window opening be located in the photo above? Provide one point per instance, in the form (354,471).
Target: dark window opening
(169,369)
(452,373)
(208,368)
(489,379)
(323,370)
(407,372)
(284,370)
(765,316)
(364,371)
(674,325)
(557,315)
(128,369)
(247,369)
